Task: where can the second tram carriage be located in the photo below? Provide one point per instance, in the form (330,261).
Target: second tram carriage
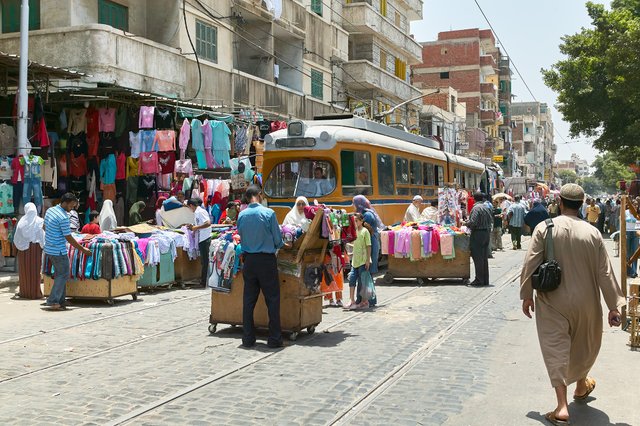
(335,159)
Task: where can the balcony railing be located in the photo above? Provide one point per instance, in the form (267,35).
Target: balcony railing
(487,116)
(363,73)
(489,90)
(488,63)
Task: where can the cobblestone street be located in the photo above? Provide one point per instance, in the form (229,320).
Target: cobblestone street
(443,353)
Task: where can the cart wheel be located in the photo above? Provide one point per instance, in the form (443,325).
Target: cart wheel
(134,296)
(110,302)
(311,329)
(183,286)
(213,328)
(293,336)
(422,281)
(388,278)
(234,326)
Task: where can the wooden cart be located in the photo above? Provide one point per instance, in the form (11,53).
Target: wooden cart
(430,268)
(300,307)
(187,269)
(100,289)
(159,275)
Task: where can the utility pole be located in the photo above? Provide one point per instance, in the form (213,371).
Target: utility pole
(23,113)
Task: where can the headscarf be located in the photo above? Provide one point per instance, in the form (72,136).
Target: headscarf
(29,229)
(107,217)
(135,217)
(536,215)
(363,205)
(159,202)
(294,217)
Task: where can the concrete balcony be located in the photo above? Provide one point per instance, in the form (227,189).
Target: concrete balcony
(363,18)
(488,64)
(368,75)
(414,9)
(293,18)
(487,116)
(528,137)
(489,91)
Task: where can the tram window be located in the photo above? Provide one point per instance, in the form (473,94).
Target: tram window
(305,178)
(402,191)
(458,178)
(385,174)
(416,173)
(356,173)
(402,171)
(439,175)
(429,174)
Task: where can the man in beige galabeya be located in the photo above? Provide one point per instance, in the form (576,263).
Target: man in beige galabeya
(569,318)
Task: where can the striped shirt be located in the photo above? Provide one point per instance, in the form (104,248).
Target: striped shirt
(480,217)
(56,228)
(518,212)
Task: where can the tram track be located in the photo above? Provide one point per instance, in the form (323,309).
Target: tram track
(362,402)
(95,320)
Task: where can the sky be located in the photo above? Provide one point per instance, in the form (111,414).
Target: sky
(531,32)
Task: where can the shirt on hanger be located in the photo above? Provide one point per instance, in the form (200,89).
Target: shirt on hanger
(132,167)
(265,127)
(8,140)
(164,118)
(166,140)
(77,121)
(5,168)
(107,141)
(121,165)
(146,117)
(77,165)
(147,186)
(197,138)
(147,139)
(185,134)
(78,144)
(167,161)
(108,170)
(220,135)
(18,169)
(32,166)
(107,119)
(6,199)
(121,121)
(135,143)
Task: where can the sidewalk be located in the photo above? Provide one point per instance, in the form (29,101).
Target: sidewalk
(8,279)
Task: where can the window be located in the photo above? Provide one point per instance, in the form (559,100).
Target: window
(503,85)
(416,173)
(439,175)
(429,174)
(356,173)
(398,20)
(444,75)
(458,178)
(207,41)
(383,7)
(385,174)
(402,175)
(307,178)
(316,84)
(316,7)
(526,130)
(114,14)
(11,15)
(383,59)
(401,69)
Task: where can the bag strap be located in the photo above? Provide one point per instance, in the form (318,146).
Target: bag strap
(548,251)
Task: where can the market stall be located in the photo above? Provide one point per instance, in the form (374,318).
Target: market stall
(111,271)
(429,249)
(298,266)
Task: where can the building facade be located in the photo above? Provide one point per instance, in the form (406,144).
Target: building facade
(444,118)
(533,140)
(467,60)
(298,59)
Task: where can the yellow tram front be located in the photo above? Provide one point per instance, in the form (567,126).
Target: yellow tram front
(332,161)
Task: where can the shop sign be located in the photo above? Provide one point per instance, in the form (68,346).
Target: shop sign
(498,158)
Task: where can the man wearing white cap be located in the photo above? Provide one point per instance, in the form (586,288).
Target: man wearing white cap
(569,318)
(413,211)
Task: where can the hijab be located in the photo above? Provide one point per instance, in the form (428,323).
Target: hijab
(29,229)
(294,217)
(159,202)
(536,215)
(107,217)
(363,205)
(135,217)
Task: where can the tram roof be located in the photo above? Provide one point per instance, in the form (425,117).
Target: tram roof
(463,161)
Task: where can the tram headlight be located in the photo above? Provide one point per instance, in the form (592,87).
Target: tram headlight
(295,128)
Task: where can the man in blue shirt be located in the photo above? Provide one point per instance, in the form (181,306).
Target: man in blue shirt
(57,233)
(516,222)
(261,238)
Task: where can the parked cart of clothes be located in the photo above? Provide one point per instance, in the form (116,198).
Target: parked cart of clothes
(419,241)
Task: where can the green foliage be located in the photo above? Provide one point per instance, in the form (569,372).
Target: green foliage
(567,176)
(598,84)
(592,185)
(609,170)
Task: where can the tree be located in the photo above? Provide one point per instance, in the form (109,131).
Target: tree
(609,170)
(567,176)
(598,84)
(591,185)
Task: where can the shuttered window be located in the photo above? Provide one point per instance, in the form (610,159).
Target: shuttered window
(114,14)
(207,41)
(316,7)
(316,84)
(11,15)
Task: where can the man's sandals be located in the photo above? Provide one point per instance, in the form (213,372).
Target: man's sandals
(591,385)
(551,418)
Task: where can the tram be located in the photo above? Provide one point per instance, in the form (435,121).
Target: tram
(334,159)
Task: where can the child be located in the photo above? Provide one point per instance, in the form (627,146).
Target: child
(360,261)
(92,227)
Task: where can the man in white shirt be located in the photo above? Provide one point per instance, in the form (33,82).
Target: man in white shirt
(202,225)
(413,211)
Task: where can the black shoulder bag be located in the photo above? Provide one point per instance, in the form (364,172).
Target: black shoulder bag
(547,277)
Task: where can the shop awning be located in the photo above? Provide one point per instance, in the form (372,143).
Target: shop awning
(10,70)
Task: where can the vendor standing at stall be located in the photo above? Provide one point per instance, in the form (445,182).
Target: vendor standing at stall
(480,220)
(57,235)
(261,238)
(202,224)
(413,211)
(429,213)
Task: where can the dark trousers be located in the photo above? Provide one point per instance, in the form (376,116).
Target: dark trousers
(516,236)
(260,273)
(204,259)
(479,244)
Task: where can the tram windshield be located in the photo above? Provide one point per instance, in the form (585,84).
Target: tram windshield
(307,178)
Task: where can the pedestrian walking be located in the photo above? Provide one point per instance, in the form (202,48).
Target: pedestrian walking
(360,262)
(496,233)
(553,209)
(516,222)
(536,215)
(593,213)
(480,220)
(29,240)
(569,318)
(633,238)
(614,222)
(57,235)
(201,225)
(261,237)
